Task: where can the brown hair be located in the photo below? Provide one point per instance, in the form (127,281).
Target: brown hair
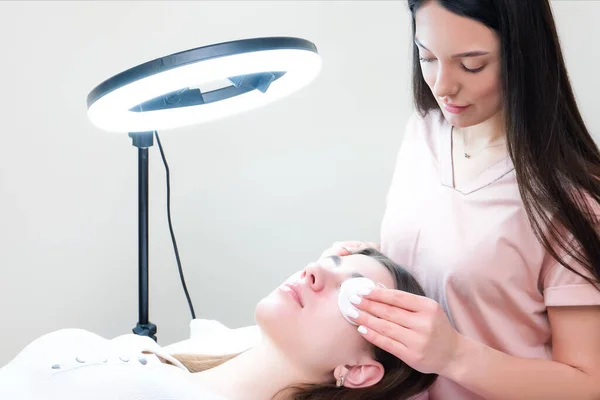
(556,160)
(399,381)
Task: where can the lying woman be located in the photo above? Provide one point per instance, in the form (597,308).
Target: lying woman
(309,350)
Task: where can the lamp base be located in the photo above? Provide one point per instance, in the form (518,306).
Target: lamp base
(148,329)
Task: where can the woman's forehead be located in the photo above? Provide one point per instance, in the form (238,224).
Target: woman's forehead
(436,26)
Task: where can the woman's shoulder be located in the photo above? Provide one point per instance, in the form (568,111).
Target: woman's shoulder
(424,134)
(428,125)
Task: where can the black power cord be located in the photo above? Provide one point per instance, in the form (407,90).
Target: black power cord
(187,295)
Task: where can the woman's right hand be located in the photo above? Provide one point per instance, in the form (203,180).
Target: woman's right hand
(347,247)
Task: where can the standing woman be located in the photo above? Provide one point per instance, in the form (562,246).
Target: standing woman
(493,207)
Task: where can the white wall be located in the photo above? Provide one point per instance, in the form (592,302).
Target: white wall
(254,197)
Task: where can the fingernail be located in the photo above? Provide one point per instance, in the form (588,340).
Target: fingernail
(381,285)
(352,312)
(354,299)
(364,291)
(362,329)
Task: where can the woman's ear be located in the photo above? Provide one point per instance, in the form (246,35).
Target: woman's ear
(365,374)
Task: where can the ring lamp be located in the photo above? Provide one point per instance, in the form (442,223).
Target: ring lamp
(168,93)
(191,87)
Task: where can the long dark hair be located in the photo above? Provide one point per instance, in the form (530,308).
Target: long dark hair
(556,160)
(400,382)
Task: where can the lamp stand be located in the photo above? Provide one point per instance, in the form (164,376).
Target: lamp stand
(143,140)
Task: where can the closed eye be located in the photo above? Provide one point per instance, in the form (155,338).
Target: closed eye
(473,71)
(352,275)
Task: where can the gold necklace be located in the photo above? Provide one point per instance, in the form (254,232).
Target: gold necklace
(467,155)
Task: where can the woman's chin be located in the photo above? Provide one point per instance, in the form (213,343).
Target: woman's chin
(275,310)
(279,325)
(457,120)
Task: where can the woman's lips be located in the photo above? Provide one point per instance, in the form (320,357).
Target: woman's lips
(294,292)
(454,109)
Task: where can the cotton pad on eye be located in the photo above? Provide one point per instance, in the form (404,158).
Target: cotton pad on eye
(354,286)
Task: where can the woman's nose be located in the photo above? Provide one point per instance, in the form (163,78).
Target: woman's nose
(316,276)
(445,84)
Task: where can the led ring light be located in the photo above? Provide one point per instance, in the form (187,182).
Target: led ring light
(191,87)
(160,94)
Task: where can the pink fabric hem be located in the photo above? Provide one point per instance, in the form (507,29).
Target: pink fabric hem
(572,295)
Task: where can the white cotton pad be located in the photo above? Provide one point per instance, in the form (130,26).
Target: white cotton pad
(353,286)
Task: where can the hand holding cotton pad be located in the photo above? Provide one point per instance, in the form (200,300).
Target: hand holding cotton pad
(349,288)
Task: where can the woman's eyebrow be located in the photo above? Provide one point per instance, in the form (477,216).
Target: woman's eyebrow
(337,260)
(421,44)
(475,53)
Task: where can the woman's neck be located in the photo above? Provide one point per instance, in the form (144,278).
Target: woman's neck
(257,374)
(487,133)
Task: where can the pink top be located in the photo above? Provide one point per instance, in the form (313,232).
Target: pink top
(473,250)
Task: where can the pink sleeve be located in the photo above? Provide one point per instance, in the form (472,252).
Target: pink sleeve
(562,287)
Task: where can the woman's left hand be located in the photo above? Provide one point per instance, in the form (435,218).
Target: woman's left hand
(413,328)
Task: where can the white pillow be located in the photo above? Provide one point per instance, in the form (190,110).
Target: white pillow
(211,337)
